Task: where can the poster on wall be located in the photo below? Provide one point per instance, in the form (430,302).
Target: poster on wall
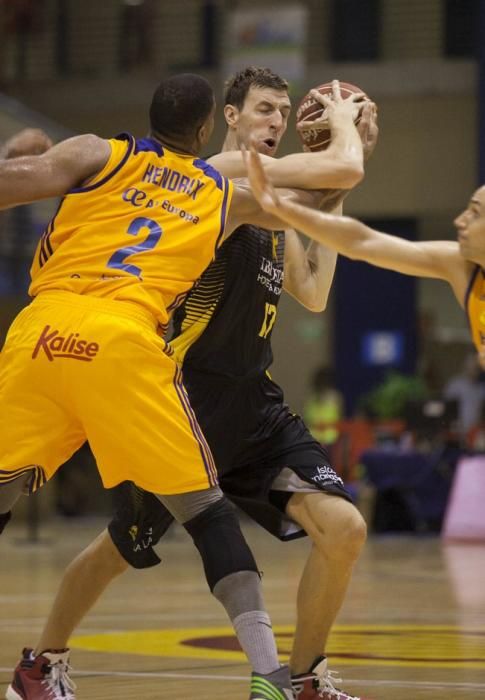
(270,38)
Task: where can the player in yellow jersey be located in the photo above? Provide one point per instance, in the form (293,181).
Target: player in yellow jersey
(460,263)
(138,222)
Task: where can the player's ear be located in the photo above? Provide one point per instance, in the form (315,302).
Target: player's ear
(204,134)
(231,115)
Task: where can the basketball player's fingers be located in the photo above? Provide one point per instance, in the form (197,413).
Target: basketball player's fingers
(256,175)
(307,125)
(368,132)
(324,100)
(363,110)
(373,126)
(358,97)
(262,188)
(366,116)
(369,109)
(336,94)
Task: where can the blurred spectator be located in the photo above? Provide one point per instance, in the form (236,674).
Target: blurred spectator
(325,407)
(468,389)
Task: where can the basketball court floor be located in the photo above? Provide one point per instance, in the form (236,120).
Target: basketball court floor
(412,627)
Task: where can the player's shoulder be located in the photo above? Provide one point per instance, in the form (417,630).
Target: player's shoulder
(87,142)
(210,172)
(86,147)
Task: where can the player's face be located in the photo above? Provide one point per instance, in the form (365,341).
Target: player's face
(470,226)
(263,118)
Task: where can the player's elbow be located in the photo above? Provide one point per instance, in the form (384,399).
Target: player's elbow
(317,308)
(314,303)
(351,173)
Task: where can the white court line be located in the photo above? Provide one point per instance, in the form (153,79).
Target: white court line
(437,685)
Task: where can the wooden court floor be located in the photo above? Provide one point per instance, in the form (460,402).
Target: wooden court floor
(412,628)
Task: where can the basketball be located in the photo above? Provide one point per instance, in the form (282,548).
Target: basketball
(309,109)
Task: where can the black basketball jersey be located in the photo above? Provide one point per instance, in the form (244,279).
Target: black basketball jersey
(224,325)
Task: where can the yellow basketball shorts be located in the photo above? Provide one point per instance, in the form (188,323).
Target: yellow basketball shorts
(78,368)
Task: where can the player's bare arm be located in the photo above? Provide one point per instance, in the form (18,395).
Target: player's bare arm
(52,174)
(435,259)
(310,267)
(245,208)
(340,166)
(309,270)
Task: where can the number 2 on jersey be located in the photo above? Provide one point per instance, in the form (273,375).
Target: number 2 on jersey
(269,319)
(116,261)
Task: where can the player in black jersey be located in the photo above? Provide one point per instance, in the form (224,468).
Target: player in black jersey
(268,462)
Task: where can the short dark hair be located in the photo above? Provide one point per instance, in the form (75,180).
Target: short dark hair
(180,105)
(237,87)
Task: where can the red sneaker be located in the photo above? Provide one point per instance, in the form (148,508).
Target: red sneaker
(318,684)
(43,677)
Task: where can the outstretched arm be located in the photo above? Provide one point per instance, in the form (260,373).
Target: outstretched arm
(245,208)
(52,174)
(353,238)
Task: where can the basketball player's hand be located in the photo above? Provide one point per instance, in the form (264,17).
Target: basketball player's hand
(336,110)
(28,142)
(263,190)
(368,129)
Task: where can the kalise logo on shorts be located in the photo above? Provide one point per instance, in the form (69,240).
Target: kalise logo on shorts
(56,345)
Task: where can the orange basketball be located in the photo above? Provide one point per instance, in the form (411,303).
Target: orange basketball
(309,109)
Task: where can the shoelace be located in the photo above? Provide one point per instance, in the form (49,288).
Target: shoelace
(326,684)
(59,681)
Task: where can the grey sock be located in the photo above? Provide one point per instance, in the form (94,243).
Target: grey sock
(242,598)
(255,636)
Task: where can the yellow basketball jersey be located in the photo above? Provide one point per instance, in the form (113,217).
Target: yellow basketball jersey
(475,307)
(142,231)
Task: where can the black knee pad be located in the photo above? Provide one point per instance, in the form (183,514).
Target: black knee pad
(221,544)
(4,518)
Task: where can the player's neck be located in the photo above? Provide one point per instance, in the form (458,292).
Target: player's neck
(230,142)
(175,146)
